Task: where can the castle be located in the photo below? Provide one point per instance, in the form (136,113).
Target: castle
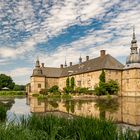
(87,73)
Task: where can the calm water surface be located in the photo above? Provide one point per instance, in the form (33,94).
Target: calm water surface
(125,111)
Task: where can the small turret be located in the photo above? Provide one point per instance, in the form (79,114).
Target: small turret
(37,71)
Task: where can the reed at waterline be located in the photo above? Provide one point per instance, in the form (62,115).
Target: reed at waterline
(54,128)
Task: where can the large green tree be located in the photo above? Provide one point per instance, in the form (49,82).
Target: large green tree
(6,81)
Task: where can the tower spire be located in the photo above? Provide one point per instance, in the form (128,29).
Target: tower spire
(37,63)
(80,59)
(134,43)
(134,36)
(65,62)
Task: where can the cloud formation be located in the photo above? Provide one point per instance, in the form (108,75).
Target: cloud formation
(27,26)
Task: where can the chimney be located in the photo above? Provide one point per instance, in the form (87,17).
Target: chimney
(87,58)
(70,63)
(61,66)
(42,64)
(102,53)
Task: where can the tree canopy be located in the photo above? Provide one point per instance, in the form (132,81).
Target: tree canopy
(6,81)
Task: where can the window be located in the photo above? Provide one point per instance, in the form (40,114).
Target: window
(127,81)
(39,85)
(79,83)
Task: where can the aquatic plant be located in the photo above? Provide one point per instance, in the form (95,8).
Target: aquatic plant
(54,128)
(2,113)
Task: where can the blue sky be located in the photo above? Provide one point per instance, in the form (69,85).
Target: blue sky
(55,29)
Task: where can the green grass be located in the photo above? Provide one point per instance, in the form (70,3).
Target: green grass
(11,93)
(54,128)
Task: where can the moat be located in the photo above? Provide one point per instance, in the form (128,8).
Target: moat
(124,111)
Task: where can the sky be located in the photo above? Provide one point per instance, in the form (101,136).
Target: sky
(57,29)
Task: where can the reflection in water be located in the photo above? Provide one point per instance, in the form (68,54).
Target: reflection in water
(122,110)
(18,109)
(5,105)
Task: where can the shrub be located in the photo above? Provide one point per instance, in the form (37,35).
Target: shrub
(112,87)
(54,89)
(44,91)
(105,88)
(66,90)
(81,90)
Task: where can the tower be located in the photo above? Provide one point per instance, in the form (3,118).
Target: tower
(133,60)
(37,79)
(130,74)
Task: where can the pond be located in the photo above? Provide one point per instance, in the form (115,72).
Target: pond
(124,111)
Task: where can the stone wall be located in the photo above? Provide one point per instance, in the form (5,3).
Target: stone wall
(131,82)
(51,82)
(37,83)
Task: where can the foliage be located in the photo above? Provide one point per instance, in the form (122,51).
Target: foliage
(6,81)
(105,88)
(112,87)
(56,128)
(2,113)
(44,91)
(35,95)
(54,89)
(19,88)
(11,93)
(72,83)
(68,83)
(101,89)
(102,77)
(66,96)
(81,90)
(66,90)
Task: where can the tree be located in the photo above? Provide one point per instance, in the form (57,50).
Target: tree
(6,81)
(102,78)
(72,83)
(19,88)
(101,89)
(104,88)
(68,83)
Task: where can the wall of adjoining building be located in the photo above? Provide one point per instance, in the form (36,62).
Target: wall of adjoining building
(129,81)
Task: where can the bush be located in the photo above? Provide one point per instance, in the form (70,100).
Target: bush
(105,88)
(54,89)
(44,91)
(112,87)
(81,90)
